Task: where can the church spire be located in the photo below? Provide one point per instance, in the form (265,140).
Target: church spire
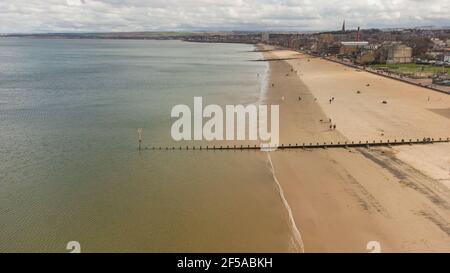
(343,26)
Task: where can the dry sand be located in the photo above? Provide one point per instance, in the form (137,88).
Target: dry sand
(342,199)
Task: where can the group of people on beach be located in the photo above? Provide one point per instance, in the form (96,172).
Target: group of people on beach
(332,126)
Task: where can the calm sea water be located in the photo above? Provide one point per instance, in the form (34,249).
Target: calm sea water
(70,169)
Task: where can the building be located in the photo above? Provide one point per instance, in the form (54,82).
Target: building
(447,58)
(365,57)
(438,43)
(265,37)
(399,54)
(333,49)
(326,37)
(349,48)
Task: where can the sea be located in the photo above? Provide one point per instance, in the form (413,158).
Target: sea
(70,168)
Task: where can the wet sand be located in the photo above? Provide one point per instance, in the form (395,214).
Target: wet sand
(341,199)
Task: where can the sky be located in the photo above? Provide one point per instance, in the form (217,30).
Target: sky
(42,16)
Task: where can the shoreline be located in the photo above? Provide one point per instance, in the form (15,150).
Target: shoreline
(342,199)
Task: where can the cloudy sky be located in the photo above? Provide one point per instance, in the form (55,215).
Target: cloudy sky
(25,16)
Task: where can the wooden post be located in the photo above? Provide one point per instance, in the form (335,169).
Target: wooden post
(140,137)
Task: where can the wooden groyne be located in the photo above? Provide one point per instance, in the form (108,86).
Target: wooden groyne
(317,145)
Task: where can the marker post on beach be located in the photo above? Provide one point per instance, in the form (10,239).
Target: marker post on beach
(139,137)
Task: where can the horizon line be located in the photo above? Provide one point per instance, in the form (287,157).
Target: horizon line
(223,31)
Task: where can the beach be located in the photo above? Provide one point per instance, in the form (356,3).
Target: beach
(342,199)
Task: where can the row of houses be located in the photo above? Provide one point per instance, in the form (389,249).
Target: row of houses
(386,53)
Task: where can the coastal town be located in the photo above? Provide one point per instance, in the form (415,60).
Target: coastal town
(418,55)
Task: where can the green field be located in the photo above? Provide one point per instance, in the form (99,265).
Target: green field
(411,68)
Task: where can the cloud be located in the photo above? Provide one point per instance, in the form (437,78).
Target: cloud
(75,2)
(155,15)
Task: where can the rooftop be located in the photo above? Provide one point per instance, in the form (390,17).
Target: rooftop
(355,43)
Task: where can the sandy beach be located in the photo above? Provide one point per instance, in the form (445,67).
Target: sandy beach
(341,199)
